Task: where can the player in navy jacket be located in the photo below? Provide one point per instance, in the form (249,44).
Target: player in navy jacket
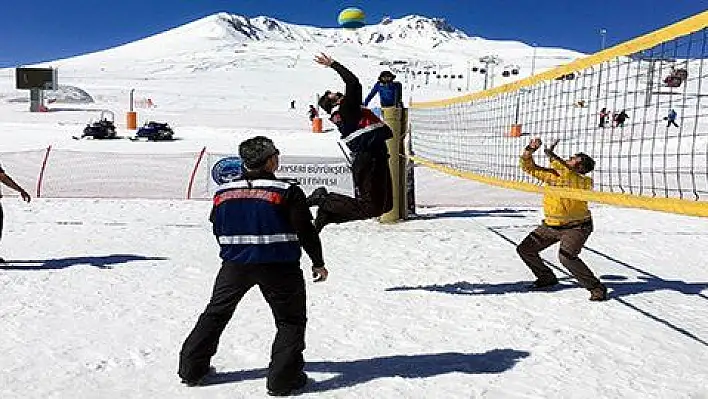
(260,223)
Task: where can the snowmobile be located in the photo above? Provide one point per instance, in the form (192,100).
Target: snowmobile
(154,131)
(102,129)
(677,76)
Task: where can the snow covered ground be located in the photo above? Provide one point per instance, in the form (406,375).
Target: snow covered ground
(98,294)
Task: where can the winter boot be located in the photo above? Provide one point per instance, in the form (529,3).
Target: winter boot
(598,293)
(543,283)
(300,383)
(200,380)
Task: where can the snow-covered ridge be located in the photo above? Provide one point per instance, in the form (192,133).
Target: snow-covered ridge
(388,30)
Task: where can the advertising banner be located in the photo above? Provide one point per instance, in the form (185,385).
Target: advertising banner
(310,172)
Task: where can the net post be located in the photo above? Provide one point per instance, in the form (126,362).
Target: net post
(395,118)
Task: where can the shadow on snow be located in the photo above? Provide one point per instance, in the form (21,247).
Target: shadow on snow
(102,262)
(619,289)
(354,372)
(470,213)
(647,283)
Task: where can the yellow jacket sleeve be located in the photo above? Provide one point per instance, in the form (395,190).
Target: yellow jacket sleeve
(546,175)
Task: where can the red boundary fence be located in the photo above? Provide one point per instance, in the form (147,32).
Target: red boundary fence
(65,173)
(41,172)
(194,173)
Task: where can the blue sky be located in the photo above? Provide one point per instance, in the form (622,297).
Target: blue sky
(43,30)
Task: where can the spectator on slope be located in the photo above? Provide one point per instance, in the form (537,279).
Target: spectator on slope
(566,220)
(8,181)
(671,118)
(365,135)
(603,117)
(621,118)
(312,112)
(261,223)
(390,92)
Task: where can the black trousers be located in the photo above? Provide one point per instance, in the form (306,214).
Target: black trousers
(2,217)
(373,192)
(283,287)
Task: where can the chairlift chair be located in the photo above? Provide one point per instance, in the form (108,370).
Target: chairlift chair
(676,78)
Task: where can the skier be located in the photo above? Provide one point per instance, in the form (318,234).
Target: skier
(365,135)
(312,112)
(603,117)
(671,118)
(620,118)
(566,220)
(390,92)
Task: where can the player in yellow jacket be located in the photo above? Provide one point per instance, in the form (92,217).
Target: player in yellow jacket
(566,220)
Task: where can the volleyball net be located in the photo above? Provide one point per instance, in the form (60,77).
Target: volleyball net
(640,109)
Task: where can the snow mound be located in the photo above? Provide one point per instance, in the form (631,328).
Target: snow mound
(68,95)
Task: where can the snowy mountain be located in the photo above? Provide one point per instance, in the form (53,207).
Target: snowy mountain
(226,39)
(263,28)
(228,53)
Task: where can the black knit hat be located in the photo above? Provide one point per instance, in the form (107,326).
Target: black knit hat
(587,164)
(389,74)
(326,103)
(255,151)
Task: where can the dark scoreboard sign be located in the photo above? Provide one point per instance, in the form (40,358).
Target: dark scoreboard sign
(36,78)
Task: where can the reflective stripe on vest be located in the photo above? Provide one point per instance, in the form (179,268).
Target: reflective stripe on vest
(251,239)
(362,131)
(255,184)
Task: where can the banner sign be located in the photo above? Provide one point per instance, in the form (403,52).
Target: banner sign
(311,172)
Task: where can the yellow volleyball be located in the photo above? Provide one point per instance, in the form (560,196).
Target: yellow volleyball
(351,18)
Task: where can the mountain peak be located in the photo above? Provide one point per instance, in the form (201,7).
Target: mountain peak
(411,27)
(440,24)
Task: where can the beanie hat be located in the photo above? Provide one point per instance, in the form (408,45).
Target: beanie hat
(384,74)
(586,163)
(255,151)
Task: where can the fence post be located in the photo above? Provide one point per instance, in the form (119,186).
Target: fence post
(194,173)
(395,119)
(41,172)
